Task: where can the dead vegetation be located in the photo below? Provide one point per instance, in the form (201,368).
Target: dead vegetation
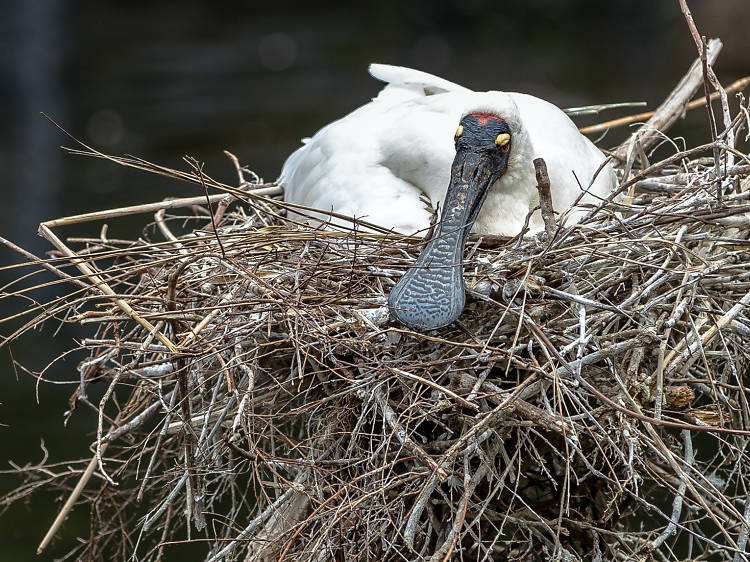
(590,404)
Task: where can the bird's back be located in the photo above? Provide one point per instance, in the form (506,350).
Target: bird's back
(385,161)
(380,162)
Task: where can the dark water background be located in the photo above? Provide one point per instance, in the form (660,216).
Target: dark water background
(163,80)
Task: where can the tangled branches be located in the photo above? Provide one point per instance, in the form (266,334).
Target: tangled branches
(589,404)
(294,422)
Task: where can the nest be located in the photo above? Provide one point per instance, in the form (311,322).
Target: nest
(256,398)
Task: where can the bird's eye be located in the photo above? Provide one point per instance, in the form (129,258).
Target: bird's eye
(503,142)
(459,131)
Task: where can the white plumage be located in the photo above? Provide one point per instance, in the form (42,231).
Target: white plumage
(378,162)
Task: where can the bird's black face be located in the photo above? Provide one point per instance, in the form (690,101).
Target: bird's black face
(431,294)
(482,148)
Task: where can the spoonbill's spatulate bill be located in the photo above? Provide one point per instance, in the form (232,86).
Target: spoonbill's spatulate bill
(424,138)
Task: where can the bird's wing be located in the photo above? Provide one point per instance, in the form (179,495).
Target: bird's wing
(371,193)
(572,160)
(343,167)
(406,83)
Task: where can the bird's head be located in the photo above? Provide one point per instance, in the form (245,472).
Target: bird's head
(431,294)
(483,145)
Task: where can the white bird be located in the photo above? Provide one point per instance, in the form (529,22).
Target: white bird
(471,152)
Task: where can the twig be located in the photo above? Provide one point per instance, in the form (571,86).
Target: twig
(392,419)
(77,490)
(736,86)
(150,207)
(44,264)
(743,535)
(70,502)
(198,168)
(550,389)
(101,285)
(545,196)
(673,107)
(679,496)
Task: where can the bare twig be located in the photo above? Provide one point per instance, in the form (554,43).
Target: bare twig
(673,107)
(545,196)
(310,429)
(736,86)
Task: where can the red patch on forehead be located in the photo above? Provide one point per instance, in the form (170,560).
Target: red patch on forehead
(483,117)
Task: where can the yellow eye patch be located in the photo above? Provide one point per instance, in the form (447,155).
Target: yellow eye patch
(502,139)
(459,131)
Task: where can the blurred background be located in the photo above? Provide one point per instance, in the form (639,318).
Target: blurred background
(168,79)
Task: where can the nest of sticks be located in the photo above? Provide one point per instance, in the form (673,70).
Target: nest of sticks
(254,397)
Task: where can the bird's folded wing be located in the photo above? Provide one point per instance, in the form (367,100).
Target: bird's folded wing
(403,83)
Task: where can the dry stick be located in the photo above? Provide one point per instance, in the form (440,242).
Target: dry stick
(691,23)
(402,435)
(101,447)
(611,403)
(708,72)
(105,398)
(735,86)
(410,528)
(627,169)
(658,445)
(742,538)
(323,504)
(43,263)
(152,207)
(518,407)
(282,501)
(198,167)
(674,362)
(665,340)
(75,494)
(154,514)
(672,108)
(228,198)
(710,76)
(529,412)
(136,422)
(461,400)
(181,370)
(545,196)
(140,164)
(84,267)
(470,484)
(159,217)
(638,415)
(711,118)
(674,520)
(508,399)
(157,445)
(68,505)
(643,174)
